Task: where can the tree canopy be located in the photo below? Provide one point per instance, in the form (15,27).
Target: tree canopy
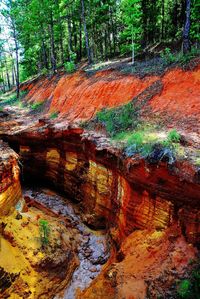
(45,34)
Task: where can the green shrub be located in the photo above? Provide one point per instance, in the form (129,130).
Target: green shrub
(44,231)
(184,288)
(37,106)
(120,119)
(44,71)
(136,138)
(172,140)
(185,58)
(54,115)
(69,66)
(167,56)
(174,136)
(137,144)
(72,56)
(23,93)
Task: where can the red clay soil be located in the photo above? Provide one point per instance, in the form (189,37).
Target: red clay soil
(79,96)
(180,96)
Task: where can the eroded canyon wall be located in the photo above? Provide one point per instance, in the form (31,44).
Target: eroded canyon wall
(10,187)
(122,193)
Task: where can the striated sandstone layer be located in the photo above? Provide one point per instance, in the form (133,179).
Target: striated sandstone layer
(10,188)
(122,193)
(27,269)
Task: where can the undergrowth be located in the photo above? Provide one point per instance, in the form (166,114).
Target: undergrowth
(12,99)
(54,115)
(37,106)
(123,124)
(179,58)
(153,150)
(118,120)
(190,288)
(44,232)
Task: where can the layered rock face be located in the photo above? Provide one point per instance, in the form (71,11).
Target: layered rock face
(10,188)
(150,210)
(125,194)
(28,270)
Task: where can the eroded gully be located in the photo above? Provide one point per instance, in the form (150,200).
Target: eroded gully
(93,246)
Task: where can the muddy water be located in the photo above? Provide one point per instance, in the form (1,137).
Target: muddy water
(93,246)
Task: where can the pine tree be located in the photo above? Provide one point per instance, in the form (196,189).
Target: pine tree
(132,19)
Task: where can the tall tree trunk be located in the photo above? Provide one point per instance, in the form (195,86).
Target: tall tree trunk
(133,47)
(75,36)
(163,19)
(53,55)
(144,23)
(113,31)
(4,87)
(2,77)
(61,44)
(17,58)
(105,44)
(70,49)
(13,70)
(17,70)
(175,19)
(13,75)
(186,30)
(44,55)
(86,33)
(80,39)
(8,77)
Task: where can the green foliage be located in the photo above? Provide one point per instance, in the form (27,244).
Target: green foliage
(12,99)
(72,56)
(174,136)
(189,288)
(118,119)
(195,20)
(51,32)
(137,138)
(167,56)
(150,147)
(184,288)
(37,106)
(9,101)
(179,58)
(44,71)
(185,58)
(172,139)
(69,66)
(132,19)
(44,232)
(136,144)
(54,115)
(24,75)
